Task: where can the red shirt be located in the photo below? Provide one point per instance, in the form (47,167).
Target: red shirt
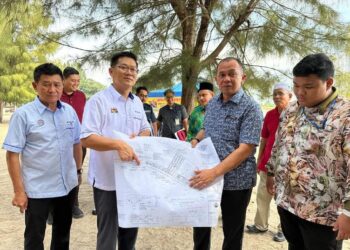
(77,100)
(268,133)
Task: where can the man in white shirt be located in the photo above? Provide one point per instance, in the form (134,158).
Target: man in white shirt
(112,109)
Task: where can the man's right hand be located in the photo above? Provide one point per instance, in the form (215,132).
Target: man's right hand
(20,200)
(270,185)
(194,143)
(126,153)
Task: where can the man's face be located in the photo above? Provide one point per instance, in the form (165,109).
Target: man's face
(143,94)
(281,98)
(311,90)
(169,97)
(229,77)
(204,96)
(124,73)
(49,89)
(71,83)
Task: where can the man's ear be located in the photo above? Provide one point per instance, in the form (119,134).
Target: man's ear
(244,78)
(34,84)
(329,82)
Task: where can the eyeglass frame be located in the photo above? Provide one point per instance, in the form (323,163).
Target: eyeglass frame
(126,68)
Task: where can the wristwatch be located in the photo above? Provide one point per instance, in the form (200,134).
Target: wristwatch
(79,171)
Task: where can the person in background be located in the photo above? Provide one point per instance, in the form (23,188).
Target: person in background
(233,122)
(172,117)
(45,135)
(281,97)
(308,170)
(204,94)
(142,93)
(113,109)
(77,99)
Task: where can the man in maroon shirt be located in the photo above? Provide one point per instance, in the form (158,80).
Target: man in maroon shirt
(77,100)
(281,97)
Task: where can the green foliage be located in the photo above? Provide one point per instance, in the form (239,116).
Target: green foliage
(181,40)
(90,87)
(342,83)
(22,48)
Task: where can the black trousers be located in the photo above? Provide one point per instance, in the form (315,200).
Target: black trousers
(305,235)
(107,223)
(35,222)
(234,205)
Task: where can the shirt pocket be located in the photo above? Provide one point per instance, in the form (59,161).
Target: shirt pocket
(68,133)
(231,127)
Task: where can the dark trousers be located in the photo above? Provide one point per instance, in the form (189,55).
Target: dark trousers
(76,200)
(107,224)
(35,222)
(305,235)
(233,208)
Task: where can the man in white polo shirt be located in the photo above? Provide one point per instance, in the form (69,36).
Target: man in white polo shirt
(112,109)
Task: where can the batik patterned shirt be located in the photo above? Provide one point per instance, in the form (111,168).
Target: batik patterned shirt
(310,160)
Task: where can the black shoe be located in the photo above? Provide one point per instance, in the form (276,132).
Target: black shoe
(94,212)
(279,237)
(77,213)
(254,230)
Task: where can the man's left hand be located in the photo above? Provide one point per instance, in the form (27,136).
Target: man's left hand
(342,225)
(203,178)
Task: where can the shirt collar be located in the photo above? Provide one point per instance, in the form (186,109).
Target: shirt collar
(117,95)
(323,106)
(235,98)
(64,93)
(41,107)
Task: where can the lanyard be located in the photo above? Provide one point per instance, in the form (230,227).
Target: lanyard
(323,124)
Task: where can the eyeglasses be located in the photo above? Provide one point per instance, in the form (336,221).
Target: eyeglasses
(169,97)
(142,95)
(126,68)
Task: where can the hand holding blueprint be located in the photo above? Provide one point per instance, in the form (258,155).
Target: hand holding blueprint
(157,192)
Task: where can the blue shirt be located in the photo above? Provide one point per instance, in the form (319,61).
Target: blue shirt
(45,140)
(230,123)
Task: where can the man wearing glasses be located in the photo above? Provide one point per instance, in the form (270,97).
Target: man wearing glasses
(142,93)
(112,109)
(172,117)
(45,134)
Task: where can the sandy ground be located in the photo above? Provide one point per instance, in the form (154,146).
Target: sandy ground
(83,233)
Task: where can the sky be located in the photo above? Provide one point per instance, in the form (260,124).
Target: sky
(101,75)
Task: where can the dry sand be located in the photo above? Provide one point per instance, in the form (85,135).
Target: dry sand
(83,233)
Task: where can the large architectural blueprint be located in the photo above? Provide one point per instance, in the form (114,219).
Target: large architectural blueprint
(157,192)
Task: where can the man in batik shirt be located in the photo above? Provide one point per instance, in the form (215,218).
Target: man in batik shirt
(310,160)
(195,122)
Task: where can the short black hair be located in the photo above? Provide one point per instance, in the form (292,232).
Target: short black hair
(116,56)
(231,58)
(46,69)
(141,88)
(69,71)
(317,64)
(169,91)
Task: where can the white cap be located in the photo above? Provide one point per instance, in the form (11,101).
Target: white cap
(282,85)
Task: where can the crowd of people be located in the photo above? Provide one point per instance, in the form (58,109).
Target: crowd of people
(303,159)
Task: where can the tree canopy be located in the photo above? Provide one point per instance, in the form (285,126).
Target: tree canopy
(185,39)
(22,48)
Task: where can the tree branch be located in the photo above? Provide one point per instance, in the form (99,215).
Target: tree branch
(239,21)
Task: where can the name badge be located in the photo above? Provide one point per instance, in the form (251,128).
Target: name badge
(177,121)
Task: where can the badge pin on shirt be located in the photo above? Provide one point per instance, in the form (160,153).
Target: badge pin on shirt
(40,122)
(114,110)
